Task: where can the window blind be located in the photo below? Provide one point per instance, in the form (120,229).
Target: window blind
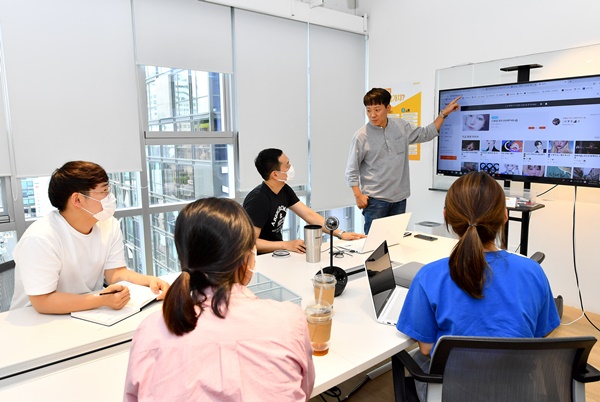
(71,84)
(271,81)
(337,87)
(188,34)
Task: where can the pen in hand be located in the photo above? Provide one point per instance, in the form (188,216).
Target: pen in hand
(109,293)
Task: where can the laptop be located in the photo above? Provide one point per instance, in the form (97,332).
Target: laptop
(388,287)
(390,228)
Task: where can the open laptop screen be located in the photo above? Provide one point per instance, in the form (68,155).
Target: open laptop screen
(381,276)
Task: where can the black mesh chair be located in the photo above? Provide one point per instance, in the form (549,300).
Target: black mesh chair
(7,284)
(501,369)
(538,257)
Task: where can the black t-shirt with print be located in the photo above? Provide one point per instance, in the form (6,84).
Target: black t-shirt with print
(268,210)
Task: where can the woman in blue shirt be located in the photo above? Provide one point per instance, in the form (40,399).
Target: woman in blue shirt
(480,290)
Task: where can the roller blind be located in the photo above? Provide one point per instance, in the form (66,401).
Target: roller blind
(271,80)
(337,86)
(188,34)
(71,84)
(4,161)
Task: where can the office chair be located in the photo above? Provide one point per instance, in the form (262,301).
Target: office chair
(477,369)
(538,257)
(7,284)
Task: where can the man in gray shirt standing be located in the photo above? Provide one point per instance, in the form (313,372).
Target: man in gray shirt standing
(377,169)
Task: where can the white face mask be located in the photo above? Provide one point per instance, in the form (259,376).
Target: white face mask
(290,174)
(255,251)
(109,205)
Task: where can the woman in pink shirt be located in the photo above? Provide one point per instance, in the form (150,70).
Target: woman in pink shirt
(215,340)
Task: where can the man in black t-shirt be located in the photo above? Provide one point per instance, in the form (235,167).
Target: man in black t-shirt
(267,205)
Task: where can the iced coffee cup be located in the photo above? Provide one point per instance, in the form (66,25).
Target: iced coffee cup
(324,286)
(319,317)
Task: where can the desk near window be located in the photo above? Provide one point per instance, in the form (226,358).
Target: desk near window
(358,342)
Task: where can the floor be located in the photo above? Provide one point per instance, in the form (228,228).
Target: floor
(381,388)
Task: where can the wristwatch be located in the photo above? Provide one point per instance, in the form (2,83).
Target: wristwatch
(339,236)
(442,115)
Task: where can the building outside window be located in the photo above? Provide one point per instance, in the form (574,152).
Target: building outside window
(188,155)
(8,236)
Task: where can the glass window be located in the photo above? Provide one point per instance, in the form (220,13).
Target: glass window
(183,100)
(187,167)
(133,239)
(3,199)
(126,189)
(35,197)
(8,241)
(164,253)
(187,172)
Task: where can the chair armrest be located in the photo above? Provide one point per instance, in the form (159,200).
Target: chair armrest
(415,371)
(591,375)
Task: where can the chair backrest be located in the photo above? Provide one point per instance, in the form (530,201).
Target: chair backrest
(7,284)
(509,369)
(539,257)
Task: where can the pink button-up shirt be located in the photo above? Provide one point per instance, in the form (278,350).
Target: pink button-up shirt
(260,352)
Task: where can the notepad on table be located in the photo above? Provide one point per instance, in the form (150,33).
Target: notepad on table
(140,297)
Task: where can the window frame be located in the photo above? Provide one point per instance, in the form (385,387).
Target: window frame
(146,210)
(7,217)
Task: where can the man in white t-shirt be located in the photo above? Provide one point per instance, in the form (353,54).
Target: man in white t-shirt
(63,258)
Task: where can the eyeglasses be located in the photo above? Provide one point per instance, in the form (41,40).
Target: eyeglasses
(109,189)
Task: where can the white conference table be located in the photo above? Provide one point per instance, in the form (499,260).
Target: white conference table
(29,340)
(62,357)
(358,341)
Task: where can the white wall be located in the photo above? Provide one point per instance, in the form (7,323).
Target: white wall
(409,41)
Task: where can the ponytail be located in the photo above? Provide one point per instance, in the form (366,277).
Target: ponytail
(178,307)
(476,211)
(467,263)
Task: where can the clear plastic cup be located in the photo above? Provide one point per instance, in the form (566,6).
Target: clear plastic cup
(319,317)
(324,286)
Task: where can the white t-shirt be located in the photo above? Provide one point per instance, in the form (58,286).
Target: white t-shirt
(53,256)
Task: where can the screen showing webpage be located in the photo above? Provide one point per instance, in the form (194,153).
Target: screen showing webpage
(544,131)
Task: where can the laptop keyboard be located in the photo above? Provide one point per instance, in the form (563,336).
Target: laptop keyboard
(394,306)
(354,246)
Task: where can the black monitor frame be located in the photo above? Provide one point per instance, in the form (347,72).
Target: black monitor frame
(554,110)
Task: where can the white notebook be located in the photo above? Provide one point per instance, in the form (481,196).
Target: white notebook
(140,296)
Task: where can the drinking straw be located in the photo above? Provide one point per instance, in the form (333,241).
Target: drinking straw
(321,288)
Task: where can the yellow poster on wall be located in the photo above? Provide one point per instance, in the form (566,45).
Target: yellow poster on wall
(406,104)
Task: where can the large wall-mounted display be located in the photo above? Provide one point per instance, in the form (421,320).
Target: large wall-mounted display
(540,131)
(553,68)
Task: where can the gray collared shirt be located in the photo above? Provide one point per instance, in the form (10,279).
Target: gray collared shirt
(378,158)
